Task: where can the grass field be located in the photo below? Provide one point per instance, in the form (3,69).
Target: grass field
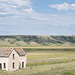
(47,61)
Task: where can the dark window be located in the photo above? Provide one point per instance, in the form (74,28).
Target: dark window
(22,64)
(4,65)
(13,65)
(0,66)
(13,56)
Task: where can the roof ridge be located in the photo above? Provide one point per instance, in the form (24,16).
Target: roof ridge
(7,51)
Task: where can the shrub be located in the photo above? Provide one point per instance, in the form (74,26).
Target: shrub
(68,73)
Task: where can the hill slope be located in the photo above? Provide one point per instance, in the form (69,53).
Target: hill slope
(44,40)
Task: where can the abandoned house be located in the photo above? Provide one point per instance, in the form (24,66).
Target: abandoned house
(12,59)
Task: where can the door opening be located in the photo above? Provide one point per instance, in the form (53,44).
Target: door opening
(22,64)
(0,66)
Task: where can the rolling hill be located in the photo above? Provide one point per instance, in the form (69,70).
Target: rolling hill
(42,40)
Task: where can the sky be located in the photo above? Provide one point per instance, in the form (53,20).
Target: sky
(37,17)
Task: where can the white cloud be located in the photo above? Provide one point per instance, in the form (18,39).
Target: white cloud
(28,10)
(64,6)
(2,13)
(17,2)
(14,6)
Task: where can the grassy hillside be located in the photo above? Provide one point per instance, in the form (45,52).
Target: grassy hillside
(44,40)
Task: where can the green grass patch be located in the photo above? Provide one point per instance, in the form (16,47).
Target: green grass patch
(39,63)
(68,73)
(37,57)
(50,49)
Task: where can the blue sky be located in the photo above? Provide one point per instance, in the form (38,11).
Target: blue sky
(37,17)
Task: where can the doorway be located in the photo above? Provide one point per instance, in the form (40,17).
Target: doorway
(0,66)
(22,64)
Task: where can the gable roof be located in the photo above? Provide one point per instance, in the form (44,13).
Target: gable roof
(20,51)
(5,52)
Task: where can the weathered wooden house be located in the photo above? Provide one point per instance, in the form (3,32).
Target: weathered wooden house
(12,59)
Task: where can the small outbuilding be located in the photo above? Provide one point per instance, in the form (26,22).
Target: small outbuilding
(12,59)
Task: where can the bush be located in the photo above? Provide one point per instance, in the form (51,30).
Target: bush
(68,73)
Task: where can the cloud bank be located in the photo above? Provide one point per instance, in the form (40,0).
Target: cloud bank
(19,16)
(21,13)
